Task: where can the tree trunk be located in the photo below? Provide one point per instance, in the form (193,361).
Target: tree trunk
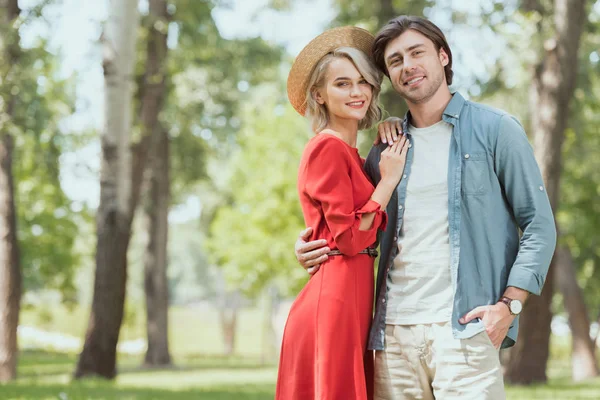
(228,305)
(386,12)
(10,268)
(115,213)
(155,259)
(228,327)
(270,307)
(552,88)
(158,184)
(583,354)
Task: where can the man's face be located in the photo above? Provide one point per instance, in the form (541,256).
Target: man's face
(415,67)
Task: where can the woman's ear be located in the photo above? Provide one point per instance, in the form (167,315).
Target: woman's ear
(318,98)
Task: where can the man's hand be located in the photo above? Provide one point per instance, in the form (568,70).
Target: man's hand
(388,131)
(310,255)
(496,318)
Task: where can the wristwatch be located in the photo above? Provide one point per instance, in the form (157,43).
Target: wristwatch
(514,306)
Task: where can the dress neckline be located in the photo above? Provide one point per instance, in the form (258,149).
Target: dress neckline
(337,138)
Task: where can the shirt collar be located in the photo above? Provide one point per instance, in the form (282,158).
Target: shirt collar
(452,111)
(455,106)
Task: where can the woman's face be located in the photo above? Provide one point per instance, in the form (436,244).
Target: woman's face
(345,93)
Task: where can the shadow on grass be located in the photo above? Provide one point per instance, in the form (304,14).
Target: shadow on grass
(39,364)
(96,390)
(199,362)
(34,363)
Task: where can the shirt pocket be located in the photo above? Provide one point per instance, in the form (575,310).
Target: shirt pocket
(475,174)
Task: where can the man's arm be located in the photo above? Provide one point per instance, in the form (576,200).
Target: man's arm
(523,186)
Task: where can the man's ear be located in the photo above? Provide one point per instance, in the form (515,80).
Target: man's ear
(444,59)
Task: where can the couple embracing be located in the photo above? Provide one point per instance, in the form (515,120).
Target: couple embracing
(452,196)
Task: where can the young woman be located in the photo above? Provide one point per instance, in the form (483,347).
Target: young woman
(323,354)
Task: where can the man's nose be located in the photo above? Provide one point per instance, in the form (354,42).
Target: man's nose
(409,64)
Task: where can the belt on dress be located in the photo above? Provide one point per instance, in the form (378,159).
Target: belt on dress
(369,250)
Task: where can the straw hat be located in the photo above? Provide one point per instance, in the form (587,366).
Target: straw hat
(345,36)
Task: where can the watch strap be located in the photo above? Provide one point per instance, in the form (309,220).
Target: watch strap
(507,301)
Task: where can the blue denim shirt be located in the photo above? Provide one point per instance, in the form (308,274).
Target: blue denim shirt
(501,228)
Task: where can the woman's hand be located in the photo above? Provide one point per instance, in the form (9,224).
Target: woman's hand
(389,131)
(393,159)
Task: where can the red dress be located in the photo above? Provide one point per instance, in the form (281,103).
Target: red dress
(323,354)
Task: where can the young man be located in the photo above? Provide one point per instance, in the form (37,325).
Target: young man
(470,231)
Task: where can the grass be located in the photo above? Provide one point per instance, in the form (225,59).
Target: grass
(200,372)
(46,375)
(192,330)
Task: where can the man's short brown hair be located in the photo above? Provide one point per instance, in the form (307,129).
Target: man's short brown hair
(401,24)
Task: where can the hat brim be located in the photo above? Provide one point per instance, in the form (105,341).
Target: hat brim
(325,43)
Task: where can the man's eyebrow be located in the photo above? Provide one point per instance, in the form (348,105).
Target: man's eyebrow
(398,54)
(414,46)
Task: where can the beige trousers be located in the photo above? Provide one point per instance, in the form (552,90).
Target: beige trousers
(427,362)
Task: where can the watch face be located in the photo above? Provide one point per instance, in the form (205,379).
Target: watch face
(516,307)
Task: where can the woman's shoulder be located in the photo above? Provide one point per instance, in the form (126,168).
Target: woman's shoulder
(325,151)
(327,143)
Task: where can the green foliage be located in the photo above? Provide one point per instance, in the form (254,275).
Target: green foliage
(46,223)
(372,15)
(579,214)
(208,79)
(252,238)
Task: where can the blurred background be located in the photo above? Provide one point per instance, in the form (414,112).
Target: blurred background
(148,208)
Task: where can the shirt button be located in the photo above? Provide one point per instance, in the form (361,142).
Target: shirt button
(395,238)
(400,207)
(383,300)
(467,156)
(455,115)
(541,188)
(404,176)
(409,145)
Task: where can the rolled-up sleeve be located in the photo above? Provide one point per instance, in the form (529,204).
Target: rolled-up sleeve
(328,183)
(520,176)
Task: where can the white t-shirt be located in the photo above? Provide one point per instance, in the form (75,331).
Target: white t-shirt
(420,283)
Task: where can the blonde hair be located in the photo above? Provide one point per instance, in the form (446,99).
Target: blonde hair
(317,113)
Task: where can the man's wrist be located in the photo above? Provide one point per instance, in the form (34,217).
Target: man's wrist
(514,306)
(516,293)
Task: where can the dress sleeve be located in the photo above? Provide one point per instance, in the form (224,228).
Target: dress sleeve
(329,185)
